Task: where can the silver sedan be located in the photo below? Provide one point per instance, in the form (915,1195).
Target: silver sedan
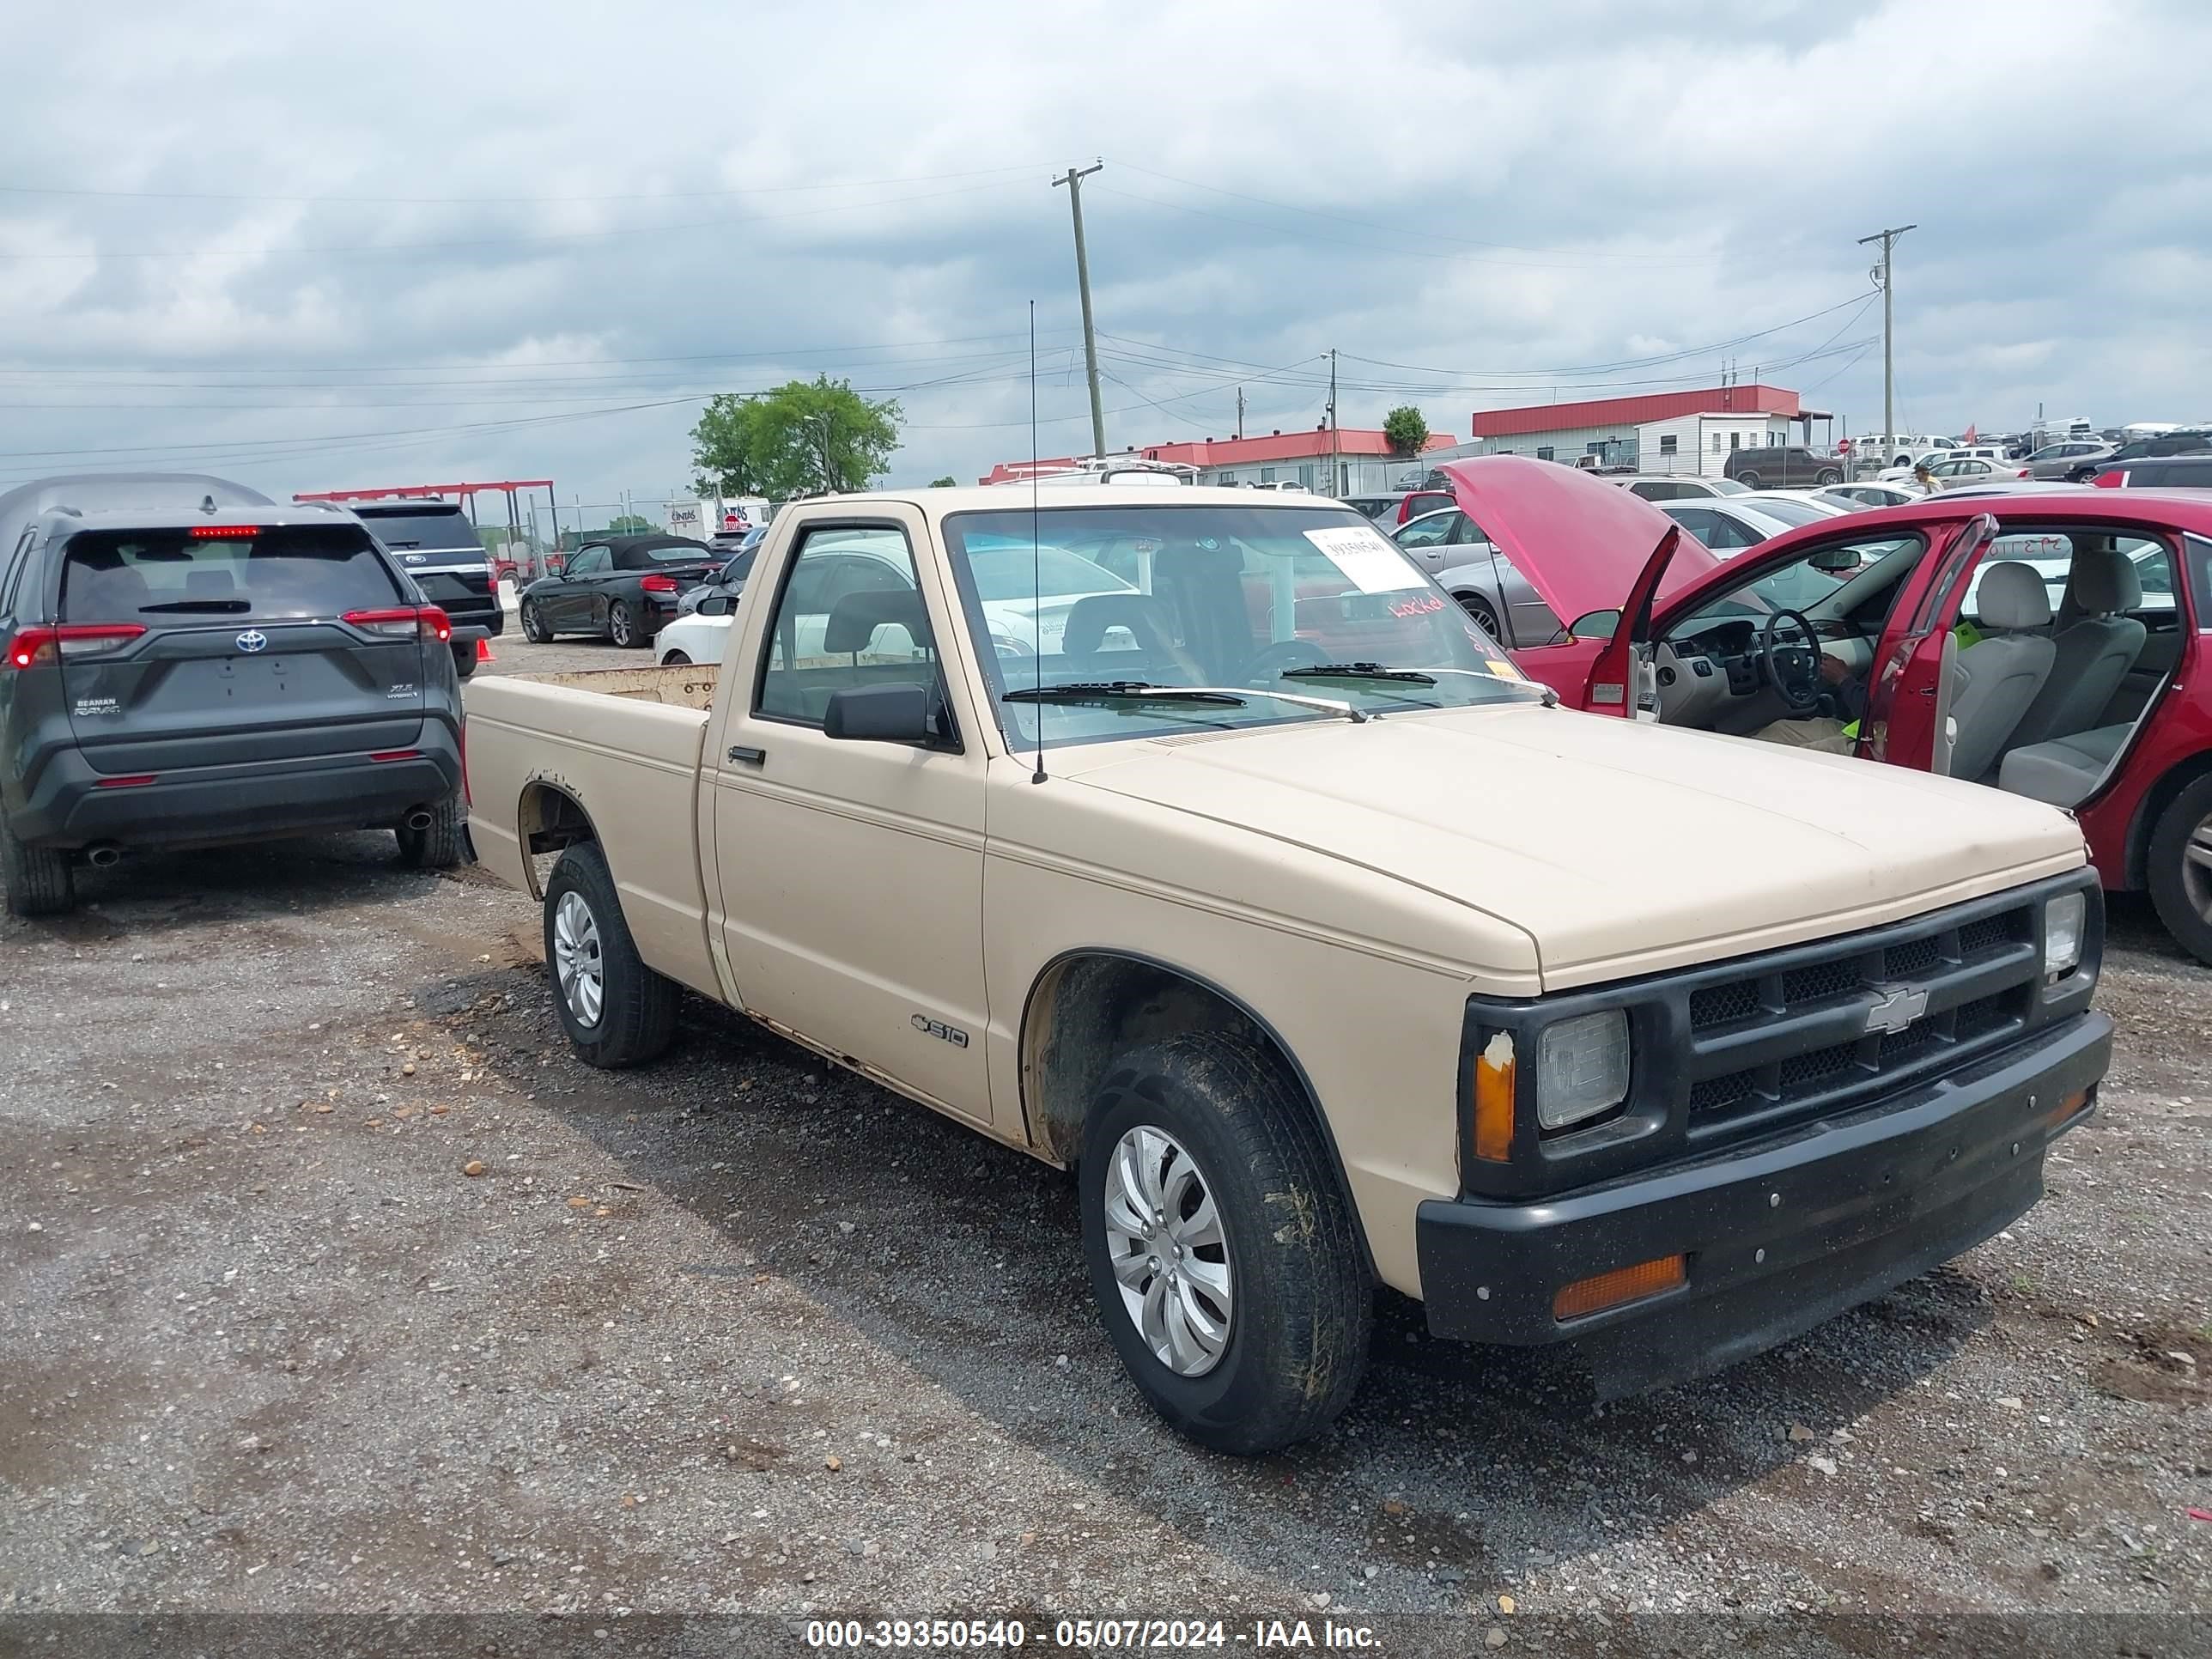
(1454,549)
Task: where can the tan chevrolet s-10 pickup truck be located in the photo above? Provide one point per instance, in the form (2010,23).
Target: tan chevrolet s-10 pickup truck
(1194,841)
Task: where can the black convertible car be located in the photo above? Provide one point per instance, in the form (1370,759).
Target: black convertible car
(622,588)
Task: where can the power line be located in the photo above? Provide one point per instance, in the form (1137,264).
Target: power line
(1408,230)
(558,239)
(519,198)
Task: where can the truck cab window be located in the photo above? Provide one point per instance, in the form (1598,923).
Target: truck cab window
(851,614)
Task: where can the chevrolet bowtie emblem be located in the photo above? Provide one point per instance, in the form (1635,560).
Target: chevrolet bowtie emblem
(1896,1007)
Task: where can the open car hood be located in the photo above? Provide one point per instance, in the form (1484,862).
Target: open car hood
(1581,542)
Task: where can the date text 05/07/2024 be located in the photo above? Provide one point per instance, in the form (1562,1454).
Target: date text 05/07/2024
(1091,1634)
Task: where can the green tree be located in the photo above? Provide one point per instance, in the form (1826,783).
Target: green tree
(629,524)
(804,438)
(948,482)
(726,448)
(1406,430)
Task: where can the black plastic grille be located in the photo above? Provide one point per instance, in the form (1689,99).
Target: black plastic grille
(1718,1005)
(1823,979)
(1914,957)
(1804,1036)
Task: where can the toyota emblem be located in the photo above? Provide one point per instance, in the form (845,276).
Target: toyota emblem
(253,639)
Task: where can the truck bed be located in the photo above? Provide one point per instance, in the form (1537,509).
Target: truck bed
(623,745)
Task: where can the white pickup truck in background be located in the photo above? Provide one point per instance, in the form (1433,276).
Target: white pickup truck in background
(1260,890)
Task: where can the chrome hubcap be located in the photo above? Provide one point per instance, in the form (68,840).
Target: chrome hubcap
(1169,1257)
(2196,869)
(576,959)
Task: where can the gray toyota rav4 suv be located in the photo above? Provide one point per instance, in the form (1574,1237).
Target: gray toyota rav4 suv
(184,663)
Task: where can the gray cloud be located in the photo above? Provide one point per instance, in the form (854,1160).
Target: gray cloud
(1487,192)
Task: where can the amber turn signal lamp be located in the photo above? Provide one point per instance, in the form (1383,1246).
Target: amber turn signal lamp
(1621,1285)
(1493,1100)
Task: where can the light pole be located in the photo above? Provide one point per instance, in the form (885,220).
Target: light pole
(1882,277)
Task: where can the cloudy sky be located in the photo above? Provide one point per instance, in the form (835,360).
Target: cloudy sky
(488,241)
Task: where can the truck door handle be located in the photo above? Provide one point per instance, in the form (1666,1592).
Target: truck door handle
(748,756)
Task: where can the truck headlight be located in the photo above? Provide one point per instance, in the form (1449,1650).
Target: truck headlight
(1582,1068)
(2065,918)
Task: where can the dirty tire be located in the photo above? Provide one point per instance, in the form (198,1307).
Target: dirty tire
(2182,893)
(622,629)
(38,878)
(1304,1308)
(443,845)
(637,1016)
(676,659)
(465,661)
(1747,478)
(533,625)
(1827,479)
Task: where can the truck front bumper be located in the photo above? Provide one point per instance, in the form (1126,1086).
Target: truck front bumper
(1779,1236)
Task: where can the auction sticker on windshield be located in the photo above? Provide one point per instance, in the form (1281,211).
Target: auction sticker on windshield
(1368,561)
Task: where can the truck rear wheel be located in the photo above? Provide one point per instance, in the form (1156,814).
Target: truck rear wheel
(1224,1254)
(616,1011)
(2180,868)
(38,878)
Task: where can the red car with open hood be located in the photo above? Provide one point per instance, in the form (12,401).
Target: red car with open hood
(2051,645)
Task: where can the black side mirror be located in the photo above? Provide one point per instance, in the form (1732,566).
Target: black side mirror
(714,605)
(899,712)
(1596,625)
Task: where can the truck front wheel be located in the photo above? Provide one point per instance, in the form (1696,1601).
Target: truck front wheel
(616,1011)
(1223,1251)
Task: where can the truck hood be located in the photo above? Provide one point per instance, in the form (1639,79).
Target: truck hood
(1620,847)
(1581,542)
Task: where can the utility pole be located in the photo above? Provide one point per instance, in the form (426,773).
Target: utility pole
(1333,445)
(1880,274)
(1073,179)
(1240,411)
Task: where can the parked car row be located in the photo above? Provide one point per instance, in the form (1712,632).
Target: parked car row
(187,663)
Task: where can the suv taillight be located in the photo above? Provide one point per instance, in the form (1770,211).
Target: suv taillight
(33,645)
(656,584)
(426,620)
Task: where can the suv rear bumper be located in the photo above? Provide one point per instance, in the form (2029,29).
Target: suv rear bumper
(1778,1238)
(75,806)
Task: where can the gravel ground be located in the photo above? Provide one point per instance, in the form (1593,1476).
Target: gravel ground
(738,1333)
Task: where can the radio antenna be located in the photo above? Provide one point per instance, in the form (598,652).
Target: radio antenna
(1036,556)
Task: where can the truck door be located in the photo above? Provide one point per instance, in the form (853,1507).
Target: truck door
(851,871)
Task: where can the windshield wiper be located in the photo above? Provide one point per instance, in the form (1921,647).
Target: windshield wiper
(231,605)
(1374,670)
(1359,671)
(1108,692)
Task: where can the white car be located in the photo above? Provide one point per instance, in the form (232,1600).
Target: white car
(1667,487)
(1856,497)
(1026,593)
(1795,507)
(695,637)
(1957,472)
(1725,526)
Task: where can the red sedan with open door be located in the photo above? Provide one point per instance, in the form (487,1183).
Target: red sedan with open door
(2050,645)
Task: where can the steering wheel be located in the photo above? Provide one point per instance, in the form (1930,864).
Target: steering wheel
(1793,669)
(1267,666)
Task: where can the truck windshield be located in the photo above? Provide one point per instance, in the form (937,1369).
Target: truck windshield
(186,575)
(1222,598)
